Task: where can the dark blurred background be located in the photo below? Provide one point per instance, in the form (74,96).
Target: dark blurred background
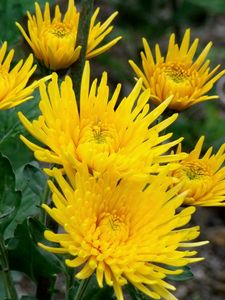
(156,20)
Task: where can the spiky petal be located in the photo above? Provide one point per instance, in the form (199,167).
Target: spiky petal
(101,134)
(14,87)
(121,231)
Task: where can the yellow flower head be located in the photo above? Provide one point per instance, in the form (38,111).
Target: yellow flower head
(204,178)
(54,41)
(13,83)
(177,74)
(101,135)
(121,231)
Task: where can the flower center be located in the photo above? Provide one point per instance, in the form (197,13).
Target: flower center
(112,227)
(99,133)
(176,73)
(110,221)
(196,176)
(60,30)
(195,170)
(98,138)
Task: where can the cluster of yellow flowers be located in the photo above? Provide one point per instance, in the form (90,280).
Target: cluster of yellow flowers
(118,186)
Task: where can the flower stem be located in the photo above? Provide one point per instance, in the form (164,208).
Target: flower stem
(82,288)
(70,289)
(82,40)
(8,282)
(45,285)
(44,200)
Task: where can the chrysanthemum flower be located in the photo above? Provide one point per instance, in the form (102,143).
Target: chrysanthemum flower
(122,232)
(100,135)
(177,74)
(13,83)
(54,41)
(203,177)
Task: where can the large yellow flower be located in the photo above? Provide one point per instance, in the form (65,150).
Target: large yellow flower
(177,74)
(13,83)
(123,232)
(54,41)
(100,135)
(204,177)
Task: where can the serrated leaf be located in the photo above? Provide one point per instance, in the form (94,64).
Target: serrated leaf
(30,202)
(9,198)
(26,256)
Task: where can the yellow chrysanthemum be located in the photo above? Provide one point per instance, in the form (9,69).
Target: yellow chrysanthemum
(13,83)
(100,135)
(204,178)
(54,41)
(177,74)
(122,232)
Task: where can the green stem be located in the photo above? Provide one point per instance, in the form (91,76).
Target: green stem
(70,289)
(82,288)
(44,200)
(82,40)
(8,282)
(46,285)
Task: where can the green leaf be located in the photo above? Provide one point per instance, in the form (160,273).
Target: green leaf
(10,199)
(187,274)
(26,256)
(11,128)
(35,178)
(30,202)
(17,153)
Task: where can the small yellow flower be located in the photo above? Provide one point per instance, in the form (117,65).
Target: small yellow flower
(204,178)
(13,83)
(177,74)
(54,41)
(123,232)
(101,135)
